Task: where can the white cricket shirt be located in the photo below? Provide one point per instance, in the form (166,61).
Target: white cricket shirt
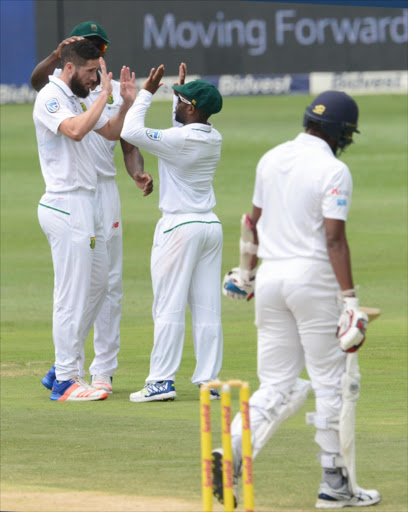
(298,184)
(66,164)
(103,150)
(188,156)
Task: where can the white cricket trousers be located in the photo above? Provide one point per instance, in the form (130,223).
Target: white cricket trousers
(72,225)
(186,268)
(296,316)
(107,323)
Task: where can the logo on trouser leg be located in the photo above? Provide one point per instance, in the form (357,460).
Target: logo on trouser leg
(92,244)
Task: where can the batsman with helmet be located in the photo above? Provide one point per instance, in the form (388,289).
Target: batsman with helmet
(307,312)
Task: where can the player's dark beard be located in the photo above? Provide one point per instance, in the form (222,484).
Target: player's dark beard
(180,118)
(77,88)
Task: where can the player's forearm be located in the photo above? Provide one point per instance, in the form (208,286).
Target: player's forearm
(133,130)
(39,77)
(77,127)
(339,255)
(114,126)
(134,161)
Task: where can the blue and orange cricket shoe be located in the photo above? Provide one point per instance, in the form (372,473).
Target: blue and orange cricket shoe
(76,390)
(48,380)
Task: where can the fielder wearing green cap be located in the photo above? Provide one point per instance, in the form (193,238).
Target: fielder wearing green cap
(202,95)
(106,326)
(187,249)
(90,29)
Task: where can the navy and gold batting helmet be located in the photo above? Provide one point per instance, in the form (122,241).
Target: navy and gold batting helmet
(336,114)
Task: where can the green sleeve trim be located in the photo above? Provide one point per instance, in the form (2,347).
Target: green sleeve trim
(56,209)
(193,222)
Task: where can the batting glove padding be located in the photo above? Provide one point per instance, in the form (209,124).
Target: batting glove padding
(352,325)
(239,284)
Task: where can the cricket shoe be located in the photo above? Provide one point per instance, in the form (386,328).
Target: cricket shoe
(163,391)
(217,477)
(102,382)
(342,497)
(76,390)
(48,380)
(214,393)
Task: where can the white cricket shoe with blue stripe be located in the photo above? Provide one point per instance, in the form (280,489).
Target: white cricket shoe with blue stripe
(154,392)
(340,498)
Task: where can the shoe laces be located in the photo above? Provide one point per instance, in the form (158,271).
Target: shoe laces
(101,378)
(156,387)
(81,381)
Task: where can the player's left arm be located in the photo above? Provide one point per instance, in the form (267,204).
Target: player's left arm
(134,164)
(338,251)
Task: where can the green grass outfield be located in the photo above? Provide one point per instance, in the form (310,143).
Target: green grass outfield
(153,450)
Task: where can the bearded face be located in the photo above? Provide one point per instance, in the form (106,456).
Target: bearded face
(78,86)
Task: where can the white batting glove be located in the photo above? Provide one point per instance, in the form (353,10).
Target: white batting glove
(239,284)
(352,325)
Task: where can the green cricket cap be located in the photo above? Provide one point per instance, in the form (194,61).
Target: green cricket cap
(202,95)
(88,29)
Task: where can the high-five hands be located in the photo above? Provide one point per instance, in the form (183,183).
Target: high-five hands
(106,78)
(127,86)
(182,75)
(153,81)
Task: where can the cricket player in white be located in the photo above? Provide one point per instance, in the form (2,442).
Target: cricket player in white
(69,213)
(107,323)
(187,246)
(300,204)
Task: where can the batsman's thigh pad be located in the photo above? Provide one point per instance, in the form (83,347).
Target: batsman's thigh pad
(269,408)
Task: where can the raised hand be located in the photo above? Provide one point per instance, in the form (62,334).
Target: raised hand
(127,86)
(106,78)
(182,74)
(153,81)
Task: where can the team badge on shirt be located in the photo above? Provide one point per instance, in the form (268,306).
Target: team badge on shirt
(154,134)
(83,106)
(52,105)
(110,100)
(92,244)
(73,105)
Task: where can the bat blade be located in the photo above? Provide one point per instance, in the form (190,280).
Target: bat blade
(372,313)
